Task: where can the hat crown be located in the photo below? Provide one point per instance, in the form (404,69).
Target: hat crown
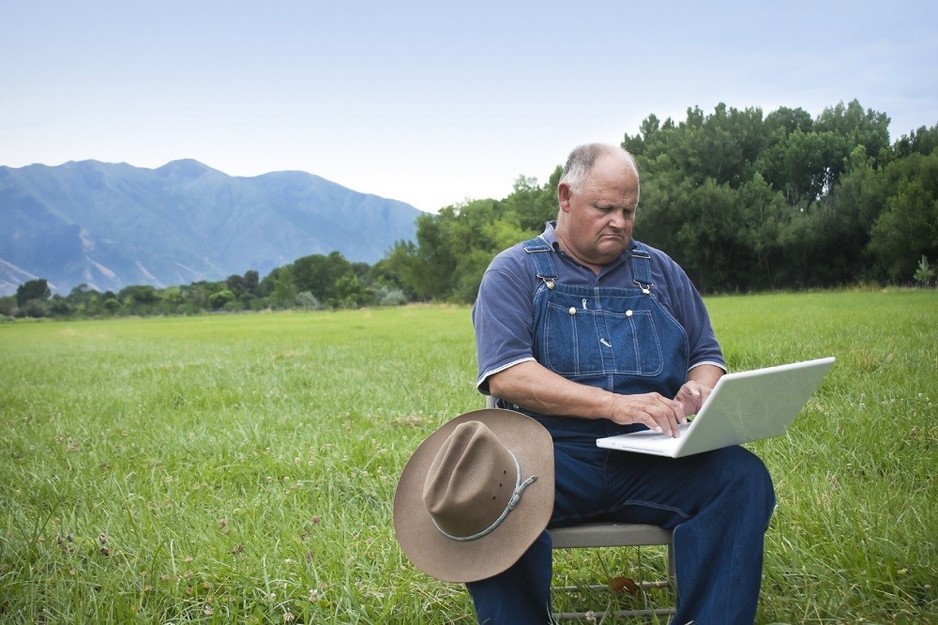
(471,481)
(445,519)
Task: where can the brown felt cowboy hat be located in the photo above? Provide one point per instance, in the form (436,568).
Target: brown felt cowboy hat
(475,495)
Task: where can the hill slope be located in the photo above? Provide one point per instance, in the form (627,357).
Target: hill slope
(114,225)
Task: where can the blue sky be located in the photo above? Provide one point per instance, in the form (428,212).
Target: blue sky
(425,102)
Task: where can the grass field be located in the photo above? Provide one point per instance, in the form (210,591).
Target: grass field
(240,468)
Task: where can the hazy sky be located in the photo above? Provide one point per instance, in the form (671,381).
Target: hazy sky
(431,103)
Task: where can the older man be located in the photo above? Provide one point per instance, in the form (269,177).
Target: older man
(593,334)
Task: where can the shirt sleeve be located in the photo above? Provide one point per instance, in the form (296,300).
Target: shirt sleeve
(688,308)
(503,316)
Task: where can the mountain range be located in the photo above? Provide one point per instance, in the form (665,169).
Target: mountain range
(112,225)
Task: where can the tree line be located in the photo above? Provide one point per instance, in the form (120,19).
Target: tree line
(313,282)
(743,201)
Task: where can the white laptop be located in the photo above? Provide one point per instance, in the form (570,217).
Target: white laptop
(743,407)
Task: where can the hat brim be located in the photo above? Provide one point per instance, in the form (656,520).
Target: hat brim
(454,561)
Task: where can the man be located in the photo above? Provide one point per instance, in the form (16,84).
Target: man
(595,334)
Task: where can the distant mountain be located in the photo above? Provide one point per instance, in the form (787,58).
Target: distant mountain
(115,225)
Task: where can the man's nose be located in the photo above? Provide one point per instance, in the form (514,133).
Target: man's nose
(617,221)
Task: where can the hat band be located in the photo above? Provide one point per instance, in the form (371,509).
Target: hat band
(512,502)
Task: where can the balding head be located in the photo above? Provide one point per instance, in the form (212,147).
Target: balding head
(582,159)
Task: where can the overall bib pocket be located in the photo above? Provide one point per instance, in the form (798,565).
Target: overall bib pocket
(580,339)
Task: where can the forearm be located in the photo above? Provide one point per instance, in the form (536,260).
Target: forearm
(537,388)
(705,375)
(540,390)
(534,387)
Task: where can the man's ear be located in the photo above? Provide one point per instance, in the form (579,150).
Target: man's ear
(563,196)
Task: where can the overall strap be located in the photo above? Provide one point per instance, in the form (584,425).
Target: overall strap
(541,252)
(640,262)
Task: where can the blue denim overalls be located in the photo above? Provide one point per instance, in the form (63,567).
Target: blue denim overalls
(618,339)
(718,504)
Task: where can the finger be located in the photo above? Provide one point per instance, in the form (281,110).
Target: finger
(691,397)
(652,410)
(667,415)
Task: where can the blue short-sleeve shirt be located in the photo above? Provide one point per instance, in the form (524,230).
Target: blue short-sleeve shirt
(503,315)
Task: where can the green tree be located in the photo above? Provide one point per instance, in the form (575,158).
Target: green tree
(195,296)
(856,203)
(173,300)
(32,290)
(707,237)
(221,299)
(783,121)
(84,300)
(385,280)
(763,214)
(110,304)
(530,205)
(139,299)
(908,228)
(924,274)
(428,266)
(59,306)
(921,141)
(280,287)
(403,263)
(318,275)
(350,292)
(802,165)
(245,288)
(7,306)
(856,127)
(34,308)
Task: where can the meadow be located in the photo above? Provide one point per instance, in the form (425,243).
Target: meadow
(241,468)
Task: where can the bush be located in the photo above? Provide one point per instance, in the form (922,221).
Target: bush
(8,306)
(307,300)
(390,297)
(924,274)
(34,308)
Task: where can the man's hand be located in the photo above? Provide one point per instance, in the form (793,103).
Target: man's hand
(654,410)
(692,395)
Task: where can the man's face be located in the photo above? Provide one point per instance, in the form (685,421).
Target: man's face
(595,223)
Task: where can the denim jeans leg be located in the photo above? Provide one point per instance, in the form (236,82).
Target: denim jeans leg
(718,504)
(718,552)
(519,595)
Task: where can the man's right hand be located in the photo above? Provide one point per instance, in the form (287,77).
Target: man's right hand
(653,410)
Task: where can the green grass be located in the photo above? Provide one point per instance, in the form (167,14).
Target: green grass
(241,468)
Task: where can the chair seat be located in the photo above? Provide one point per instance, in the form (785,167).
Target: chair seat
(608,535)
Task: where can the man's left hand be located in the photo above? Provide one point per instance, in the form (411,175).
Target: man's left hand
(692,396)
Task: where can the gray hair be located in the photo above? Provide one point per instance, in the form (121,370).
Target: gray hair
(582,158)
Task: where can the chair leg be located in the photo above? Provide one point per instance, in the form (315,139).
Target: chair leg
(610,611)
(672,574)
